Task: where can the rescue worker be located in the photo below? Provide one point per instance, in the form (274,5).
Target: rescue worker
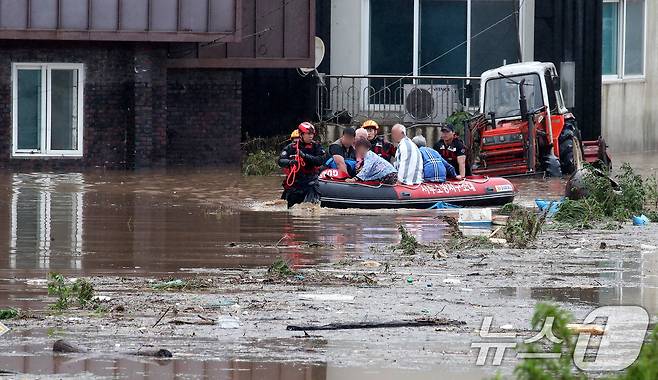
(435,168)
(342,155)
(380,146)
(303,160)
(294,136)
(452,149)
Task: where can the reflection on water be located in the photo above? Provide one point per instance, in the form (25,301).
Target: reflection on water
(161,222)
(132,368)
(637,278)
(83,222)
(46,218)
(186,368)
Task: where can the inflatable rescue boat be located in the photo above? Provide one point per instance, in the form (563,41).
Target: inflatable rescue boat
(471,191)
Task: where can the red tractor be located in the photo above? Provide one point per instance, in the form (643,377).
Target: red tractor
(524,127)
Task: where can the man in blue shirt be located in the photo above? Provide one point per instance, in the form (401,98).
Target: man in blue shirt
(435,168)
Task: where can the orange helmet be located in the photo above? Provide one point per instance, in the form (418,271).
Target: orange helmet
(306,127)
(294,134)
(370,124)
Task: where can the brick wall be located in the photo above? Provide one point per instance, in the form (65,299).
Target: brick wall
(204,117)
(136,112)
(107,99)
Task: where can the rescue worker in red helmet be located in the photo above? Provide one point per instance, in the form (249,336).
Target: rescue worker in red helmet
(380,146)
(302,159)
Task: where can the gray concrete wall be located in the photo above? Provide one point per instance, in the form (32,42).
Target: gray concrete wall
(630,107)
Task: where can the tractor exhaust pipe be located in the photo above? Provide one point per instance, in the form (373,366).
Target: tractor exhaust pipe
(531,144)
(523,107)
(523,103)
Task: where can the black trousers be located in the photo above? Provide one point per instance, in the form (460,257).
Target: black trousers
(305,189)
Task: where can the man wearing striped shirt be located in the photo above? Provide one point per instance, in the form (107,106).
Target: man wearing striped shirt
(408,160)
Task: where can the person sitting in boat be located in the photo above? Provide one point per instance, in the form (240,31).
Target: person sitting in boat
(408,160)
(342,155)
(360,133)
(303,160)
(380,146)
(452,148)
(435,168)
(371,166)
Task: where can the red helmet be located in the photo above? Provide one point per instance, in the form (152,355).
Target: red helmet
(306,127)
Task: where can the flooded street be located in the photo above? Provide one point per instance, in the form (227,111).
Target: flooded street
(127,230)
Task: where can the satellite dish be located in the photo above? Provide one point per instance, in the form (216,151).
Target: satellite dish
(319,56)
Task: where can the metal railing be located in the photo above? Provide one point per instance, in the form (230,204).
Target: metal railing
(352,99)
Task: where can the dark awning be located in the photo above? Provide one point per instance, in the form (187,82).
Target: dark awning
(121,20)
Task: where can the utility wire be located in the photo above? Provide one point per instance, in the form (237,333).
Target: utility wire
(516,12)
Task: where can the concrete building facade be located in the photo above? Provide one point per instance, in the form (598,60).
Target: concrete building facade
(602,45)
(630,83)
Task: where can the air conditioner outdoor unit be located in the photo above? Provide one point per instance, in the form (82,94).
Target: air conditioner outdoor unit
(430,103)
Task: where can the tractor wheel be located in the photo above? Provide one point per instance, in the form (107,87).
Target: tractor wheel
(567,162)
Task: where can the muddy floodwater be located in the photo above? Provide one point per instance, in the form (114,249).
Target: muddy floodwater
(126,231)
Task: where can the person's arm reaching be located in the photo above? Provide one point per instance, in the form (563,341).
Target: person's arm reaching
(316,159)
(461,157)
(461,160)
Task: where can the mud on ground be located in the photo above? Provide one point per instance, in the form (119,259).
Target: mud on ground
(580,270)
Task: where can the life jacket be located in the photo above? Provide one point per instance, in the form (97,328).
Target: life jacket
(382,148)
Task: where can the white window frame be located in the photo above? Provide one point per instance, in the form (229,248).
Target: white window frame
(44,222)
(45,150)
(621,47)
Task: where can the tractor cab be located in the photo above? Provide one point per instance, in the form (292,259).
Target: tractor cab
(523,126)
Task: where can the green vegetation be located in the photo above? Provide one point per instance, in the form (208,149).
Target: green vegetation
(457,120)
(523,226)
(646,365)
(408,243)
(280,268)
(178,284)
(261,163)
(605,202)
(580,214)
(509,208)
(549,369)
(68,293)
(9,313)
(644,368)
(261,154)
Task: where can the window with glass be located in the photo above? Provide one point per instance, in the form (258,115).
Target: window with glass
(440,28)
(623,38)
(502,95)
(47,110)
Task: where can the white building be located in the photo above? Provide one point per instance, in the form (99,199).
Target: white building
(467,37)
